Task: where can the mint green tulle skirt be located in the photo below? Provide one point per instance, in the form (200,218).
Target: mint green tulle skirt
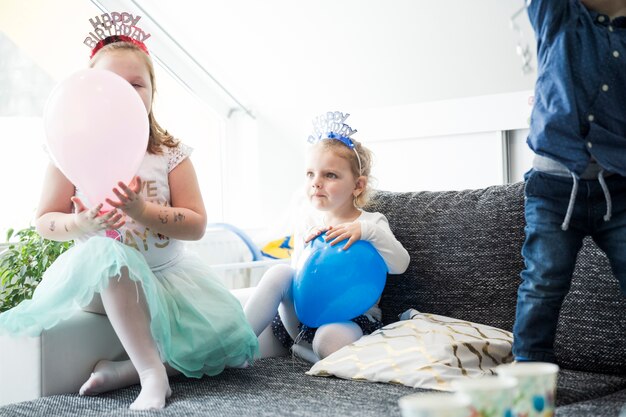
(198,325)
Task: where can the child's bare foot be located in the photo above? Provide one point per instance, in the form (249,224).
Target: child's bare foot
(108,376)
(155,389)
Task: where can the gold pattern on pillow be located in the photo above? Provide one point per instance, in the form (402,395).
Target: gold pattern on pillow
(425,351)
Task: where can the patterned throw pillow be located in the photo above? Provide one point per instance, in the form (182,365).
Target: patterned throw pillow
(423,351)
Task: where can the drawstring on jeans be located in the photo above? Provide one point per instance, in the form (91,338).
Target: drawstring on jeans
(607,196)
(572,200)
(570,206)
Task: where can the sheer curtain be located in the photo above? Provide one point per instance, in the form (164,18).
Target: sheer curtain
(24,87)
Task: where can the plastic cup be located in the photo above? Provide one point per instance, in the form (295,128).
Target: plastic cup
(435,404)
(536,387)
(489,395)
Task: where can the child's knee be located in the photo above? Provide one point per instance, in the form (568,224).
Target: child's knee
(277,277)
(329,338)
(281,269)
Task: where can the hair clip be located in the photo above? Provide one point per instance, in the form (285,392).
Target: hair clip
(331,125)
(115,27)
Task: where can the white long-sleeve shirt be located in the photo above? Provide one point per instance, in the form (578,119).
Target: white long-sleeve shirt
(374,229)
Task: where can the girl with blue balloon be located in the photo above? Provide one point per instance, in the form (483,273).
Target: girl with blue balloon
(328,297)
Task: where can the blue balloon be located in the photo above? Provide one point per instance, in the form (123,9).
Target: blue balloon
(332,285)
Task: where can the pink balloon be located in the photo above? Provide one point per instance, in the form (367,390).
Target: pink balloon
(96,131)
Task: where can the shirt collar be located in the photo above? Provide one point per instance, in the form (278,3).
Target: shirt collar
(620,22)
(605,20)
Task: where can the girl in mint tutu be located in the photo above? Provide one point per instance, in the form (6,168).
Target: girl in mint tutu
(168,309)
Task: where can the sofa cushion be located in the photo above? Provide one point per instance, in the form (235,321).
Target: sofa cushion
(279,387)
(271,387)
(591,334)
(577,386)
(608,406)
(465,249)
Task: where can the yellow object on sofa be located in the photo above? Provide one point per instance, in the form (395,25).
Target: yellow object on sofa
(425,351)
(279,248)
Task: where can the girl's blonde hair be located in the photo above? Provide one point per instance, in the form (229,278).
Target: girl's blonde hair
(158,135)
(366,156)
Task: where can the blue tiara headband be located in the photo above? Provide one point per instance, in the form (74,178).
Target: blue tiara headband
(331,125)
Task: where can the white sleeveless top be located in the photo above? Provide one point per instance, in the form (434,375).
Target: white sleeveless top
(160,251)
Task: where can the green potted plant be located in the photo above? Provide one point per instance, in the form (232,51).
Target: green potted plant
(23,264)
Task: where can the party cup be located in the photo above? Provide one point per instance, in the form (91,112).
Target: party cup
(435,404)
(536,387)
(489,395)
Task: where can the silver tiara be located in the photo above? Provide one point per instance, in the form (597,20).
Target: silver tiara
(331,125)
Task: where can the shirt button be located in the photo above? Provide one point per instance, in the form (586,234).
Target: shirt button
(590,117)
(616,54)
(610,28)
(605,87)
(589,145)
(601,19)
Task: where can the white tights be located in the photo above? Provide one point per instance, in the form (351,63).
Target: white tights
(124,303)
(274,294)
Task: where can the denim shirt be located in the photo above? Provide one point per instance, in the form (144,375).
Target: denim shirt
(580,94)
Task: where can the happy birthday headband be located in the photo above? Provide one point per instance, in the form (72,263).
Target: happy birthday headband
(115,27)
(331,125)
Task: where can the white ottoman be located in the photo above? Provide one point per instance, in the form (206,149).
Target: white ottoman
(57,361)
(60,359)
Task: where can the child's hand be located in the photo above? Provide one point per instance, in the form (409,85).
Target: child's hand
(88,220)
(130,200)
(341,232)
(315,232)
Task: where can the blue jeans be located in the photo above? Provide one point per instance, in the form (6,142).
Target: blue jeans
(550,253)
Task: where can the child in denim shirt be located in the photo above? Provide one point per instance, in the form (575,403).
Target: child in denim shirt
(577,186)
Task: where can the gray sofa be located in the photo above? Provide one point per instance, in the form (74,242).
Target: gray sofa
(465,263)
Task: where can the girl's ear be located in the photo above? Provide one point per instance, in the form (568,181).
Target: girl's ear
(360,185)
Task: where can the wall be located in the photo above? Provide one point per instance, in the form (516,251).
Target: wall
(289,61)
(432,55)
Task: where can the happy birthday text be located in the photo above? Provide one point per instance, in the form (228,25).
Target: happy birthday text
(114,24)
